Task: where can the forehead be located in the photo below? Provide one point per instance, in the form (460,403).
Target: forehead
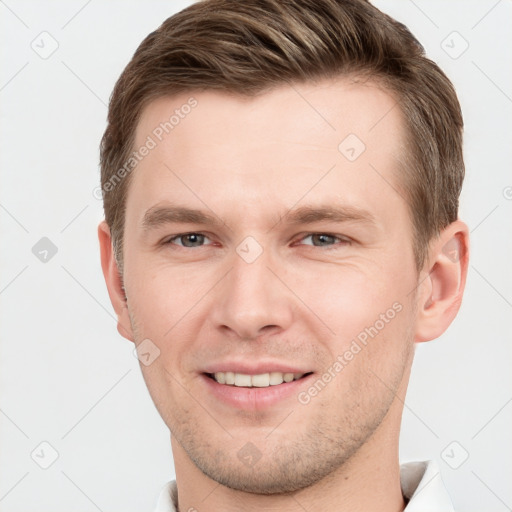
(322,111)
(280,144)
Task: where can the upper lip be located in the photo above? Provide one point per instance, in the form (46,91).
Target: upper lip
(252,368)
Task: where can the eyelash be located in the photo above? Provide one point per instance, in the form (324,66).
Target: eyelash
(343,240)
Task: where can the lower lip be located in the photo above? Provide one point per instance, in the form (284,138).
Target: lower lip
(255,399)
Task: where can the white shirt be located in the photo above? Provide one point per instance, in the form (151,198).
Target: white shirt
(420,481)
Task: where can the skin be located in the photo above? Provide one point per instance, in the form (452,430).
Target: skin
(302,301)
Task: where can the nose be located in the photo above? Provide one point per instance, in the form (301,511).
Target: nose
(252,300)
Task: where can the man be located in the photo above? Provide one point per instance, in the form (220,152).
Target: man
(280,184)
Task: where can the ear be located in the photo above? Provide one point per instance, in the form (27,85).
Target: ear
(441,291)
(114,282)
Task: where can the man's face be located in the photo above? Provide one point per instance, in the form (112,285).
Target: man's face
(259,294)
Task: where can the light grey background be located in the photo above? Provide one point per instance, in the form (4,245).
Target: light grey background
(67,377)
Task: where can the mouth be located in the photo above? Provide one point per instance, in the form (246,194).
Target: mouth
(263,391)
(262,380)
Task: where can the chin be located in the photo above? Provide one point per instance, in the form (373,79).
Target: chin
(281,469)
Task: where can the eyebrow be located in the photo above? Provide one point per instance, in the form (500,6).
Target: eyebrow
(157,216)
(310,214)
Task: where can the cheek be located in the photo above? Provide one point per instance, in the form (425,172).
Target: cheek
(351,301)
(162,296)
(372,318)
(165,303)
(161,311)
(368,358)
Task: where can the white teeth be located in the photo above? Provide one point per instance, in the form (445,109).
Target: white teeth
(243,380)
(276,378)
(263,380)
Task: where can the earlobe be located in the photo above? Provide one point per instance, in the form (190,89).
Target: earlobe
(441,292)
(114,282)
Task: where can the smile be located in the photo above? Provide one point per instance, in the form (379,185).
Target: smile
(261,380)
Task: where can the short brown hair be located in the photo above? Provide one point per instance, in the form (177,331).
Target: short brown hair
(247,47)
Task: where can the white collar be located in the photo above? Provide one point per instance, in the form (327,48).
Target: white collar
(420,481)
(422,484)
